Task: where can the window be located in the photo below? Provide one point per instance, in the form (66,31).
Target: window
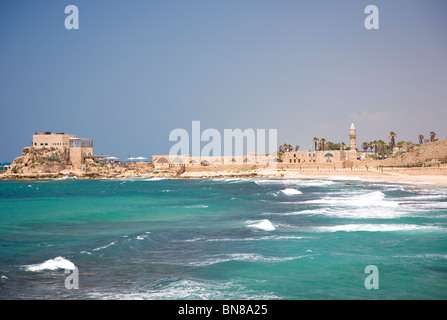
(290,160)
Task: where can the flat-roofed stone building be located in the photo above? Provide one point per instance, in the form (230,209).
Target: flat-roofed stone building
(75,148)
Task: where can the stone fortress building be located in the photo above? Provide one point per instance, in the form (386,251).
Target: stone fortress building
(75,149)
(290,159)
(340,158)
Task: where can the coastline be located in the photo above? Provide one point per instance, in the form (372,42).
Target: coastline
(418,175)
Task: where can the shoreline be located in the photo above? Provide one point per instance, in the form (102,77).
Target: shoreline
(430,176)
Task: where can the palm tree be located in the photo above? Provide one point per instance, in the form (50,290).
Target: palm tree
(381,146)
(322,141)
(421,138)
(315,141)
(365,146)
(432,136)
(393,136)
(297,147)
(343,146)
(374,145)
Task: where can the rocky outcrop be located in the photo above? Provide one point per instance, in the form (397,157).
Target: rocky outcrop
(39,160)
(427,154)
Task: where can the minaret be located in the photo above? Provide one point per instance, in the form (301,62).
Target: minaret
(352,137)
(352,144)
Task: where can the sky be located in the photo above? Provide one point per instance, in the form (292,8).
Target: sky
(136,70)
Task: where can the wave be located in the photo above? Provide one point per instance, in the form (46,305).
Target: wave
(186,289)
(67,178)
(194,206)
(375,199)
(106,246)
(143,236)
(52,264)
(376,228)
(291,192)
(155,179)
(230,180)
(243,239)
(243,257)
(434,256)
(295,182)
(263,224)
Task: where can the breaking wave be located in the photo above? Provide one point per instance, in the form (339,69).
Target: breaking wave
(263,224)
(51,264)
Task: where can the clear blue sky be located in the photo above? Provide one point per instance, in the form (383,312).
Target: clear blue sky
(135,70)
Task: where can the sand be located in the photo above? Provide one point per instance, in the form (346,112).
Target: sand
(419,175)
(433,176)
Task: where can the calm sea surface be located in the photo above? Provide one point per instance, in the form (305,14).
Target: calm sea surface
(222,239)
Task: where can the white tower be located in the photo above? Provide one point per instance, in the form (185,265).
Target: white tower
(352,137)
(352,155)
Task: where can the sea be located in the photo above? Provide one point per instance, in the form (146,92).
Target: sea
(222,239)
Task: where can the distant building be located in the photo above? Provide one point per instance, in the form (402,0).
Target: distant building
(4,166)
(76,149)
(324,156)
(309,157)
(165,161)
(340,158)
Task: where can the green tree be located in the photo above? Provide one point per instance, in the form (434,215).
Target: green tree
(432,136)
(373,144)
(322,142)
(393,136)
(365,146)
(315,141)
(421,138)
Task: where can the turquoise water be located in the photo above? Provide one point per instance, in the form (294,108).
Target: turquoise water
(222,239)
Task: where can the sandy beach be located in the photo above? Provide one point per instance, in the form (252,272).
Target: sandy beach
(420,175)
(433,176)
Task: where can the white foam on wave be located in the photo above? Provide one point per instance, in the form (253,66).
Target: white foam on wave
(376,228)
(66,178)
(295,182)
(196,206)
(244,239)
(51,264)
(355,205)
(263,224)
(230,180)
(143,236)
(375,198)
(185,289)
(243,257)
(434,256)
(106,246)
(155,179)
(291,192)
